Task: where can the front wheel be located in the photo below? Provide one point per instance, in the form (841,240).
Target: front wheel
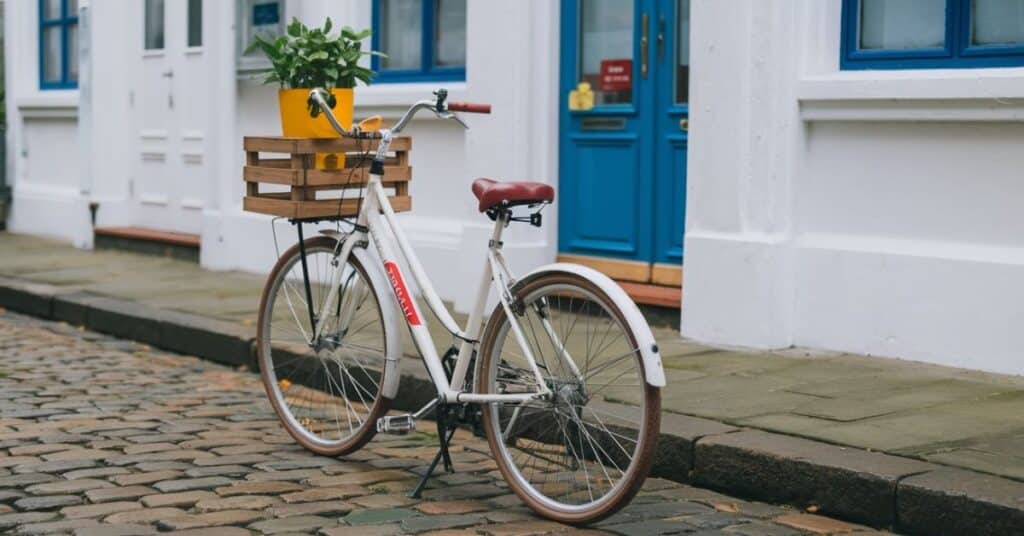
(583,453)
(327,390)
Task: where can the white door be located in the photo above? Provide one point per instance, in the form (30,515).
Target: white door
(171,102)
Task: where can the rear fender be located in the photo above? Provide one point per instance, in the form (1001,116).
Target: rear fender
(653,371)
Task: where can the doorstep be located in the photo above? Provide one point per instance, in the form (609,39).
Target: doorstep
(658,285)
(735,455)
(148,242)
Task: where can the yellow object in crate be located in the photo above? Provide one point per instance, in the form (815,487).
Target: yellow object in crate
(296,122)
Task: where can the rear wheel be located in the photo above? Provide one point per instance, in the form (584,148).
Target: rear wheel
(584,453)
(326,391)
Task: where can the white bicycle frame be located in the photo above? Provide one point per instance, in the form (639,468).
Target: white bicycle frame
(378,217)
(376,223)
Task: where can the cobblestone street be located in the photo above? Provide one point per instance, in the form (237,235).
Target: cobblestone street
(103,436)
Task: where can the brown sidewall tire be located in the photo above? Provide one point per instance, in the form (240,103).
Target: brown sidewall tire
(381,405)
(652,410)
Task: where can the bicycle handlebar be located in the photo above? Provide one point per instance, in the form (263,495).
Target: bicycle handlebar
(469,107)
(316,97)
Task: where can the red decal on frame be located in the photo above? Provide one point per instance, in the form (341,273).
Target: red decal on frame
(402,293)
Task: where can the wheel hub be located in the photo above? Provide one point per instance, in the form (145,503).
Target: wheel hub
(570,395)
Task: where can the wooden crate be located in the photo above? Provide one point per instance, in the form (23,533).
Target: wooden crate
(302,191)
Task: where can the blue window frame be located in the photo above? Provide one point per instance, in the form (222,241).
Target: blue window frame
(58,50)
(952,34)
(425,40)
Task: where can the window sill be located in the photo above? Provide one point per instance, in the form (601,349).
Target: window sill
(914,95)
(51,103)
(392,99)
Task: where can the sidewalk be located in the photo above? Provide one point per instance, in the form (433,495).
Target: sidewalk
(718,407)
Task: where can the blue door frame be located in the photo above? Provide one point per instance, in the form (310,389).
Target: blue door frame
(622,167)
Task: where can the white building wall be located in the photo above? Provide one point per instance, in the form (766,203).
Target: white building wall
(893,231)
(43,160)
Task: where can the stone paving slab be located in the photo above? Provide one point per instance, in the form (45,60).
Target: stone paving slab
(117,394)
(954,417)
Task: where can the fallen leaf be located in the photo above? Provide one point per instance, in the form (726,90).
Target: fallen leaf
(732,508)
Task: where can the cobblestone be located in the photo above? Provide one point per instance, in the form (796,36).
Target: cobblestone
(68,486)
(252,502)
(293,524)
(47,502)
(185,498)
(99,510)
(189,484)
(211,519)
(99,437)
(118,493)
(116,530)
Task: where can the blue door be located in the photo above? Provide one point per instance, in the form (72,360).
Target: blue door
(623,142)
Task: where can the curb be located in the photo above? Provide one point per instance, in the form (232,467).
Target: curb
(865,487)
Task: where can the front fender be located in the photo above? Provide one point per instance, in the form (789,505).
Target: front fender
(653,370)
(389,312)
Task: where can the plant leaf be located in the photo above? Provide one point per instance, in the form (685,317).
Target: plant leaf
(313,57)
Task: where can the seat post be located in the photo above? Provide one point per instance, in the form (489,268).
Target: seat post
(500,222)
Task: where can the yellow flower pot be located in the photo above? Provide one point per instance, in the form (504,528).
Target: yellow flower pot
(296,122)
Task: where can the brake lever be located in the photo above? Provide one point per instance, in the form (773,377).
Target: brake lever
(451,115)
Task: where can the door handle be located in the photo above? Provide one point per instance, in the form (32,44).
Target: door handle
(167,74)
(645,23)
(661,37)
(684,124)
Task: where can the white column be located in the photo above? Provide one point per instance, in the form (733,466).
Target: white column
(738,286)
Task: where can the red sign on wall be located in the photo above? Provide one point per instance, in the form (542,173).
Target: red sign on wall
(616,75)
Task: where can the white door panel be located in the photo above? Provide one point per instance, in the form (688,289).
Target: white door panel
(172,114)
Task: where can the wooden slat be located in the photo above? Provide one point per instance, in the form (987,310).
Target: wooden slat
(279,144)
(272,162)
(251,159)
(149,235)
(639,272)
(403,161)
(669,275)
(275,205)
(660,296)
(272,175)
(325,178)
(342,177)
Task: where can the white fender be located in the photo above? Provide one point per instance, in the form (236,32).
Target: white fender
(655,374)
(393,341)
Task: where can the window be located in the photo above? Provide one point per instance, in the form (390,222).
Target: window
(424,40)
(195,23)
(58,44)
(153,37)
(264,18)
(924,34)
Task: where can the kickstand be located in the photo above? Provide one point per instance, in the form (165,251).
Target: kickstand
(444,437)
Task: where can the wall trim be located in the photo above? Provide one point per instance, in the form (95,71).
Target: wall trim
(914,95)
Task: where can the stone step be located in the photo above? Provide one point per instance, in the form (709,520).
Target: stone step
(148,241)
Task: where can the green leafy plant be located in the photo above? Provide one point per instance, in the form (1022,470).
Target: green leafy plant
(311,57)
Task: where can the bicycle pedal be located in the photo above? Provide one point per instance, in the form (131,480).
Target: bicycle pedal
(396,424)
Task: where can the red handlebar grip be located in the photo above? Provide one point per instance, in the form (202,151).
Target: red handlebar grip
(469,107)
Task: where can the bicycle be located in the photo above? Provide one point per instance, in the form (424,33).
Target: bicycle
(329,349)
